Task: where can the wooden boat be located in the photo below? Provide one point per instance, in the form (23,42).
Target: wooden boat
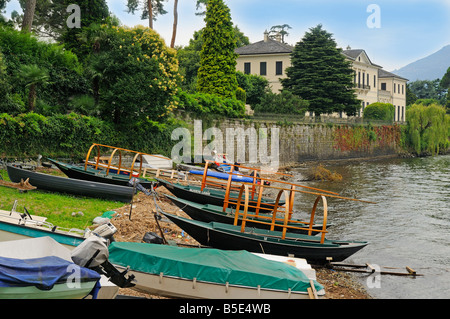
(97,175)
(212,213)
(42,269)
(208,195)
(209,273)
(230,237)
(110,168)
(70,185)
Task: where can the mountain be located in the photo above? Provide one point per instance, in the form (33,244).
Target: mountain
(432,67)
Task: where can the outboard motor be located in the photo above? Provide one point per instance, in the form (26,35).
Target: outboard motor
(106,230)
(93,253)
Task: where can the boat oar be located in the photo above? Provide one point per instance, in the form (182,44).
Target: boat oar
(320,194)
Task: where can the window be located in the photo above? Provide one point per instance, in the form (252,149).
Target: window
(364,79)
(247,67)
(383,86)
(368,79)
(263,68)
(403,89)
(359,79)
(279,68)
(394,87)
(374,81)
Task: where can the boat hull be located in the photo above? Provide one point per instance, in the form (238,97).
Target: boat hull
(59,291)
(207,196)
(11,231)
(211,213)
(228,237)
(71,186)
(96,175)
(175,287)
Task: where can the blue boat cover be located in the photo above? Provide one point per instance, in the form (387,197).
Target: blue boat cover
(43,272)
(236,177)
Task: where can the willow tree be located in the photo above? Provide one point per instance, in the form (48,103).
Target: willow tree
(428,129)
(217,72)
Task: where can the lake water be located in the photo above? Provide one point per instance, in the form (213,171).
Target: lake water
(408,226)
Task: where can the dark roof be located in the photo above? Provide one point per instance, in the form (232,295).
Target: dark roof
(353,54)
(262,47)
(386,74)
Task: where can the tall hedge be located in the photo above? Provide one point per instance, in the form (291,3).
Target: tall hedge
(71,135)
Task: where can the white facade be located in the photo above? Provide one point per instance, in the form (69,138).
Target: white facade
(270,58)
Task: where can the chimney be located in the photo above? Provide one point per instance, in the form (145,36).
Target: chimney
(266,36)
(278,37)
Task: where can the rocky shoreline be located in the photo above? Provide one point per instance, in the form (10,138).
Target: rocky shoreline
(135,220)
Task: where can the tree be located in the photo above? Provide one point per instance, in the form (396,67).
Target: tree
(28,15)
(321,74)
(150,9)
(33,76)
(279,30)
(427,129)
(445,84)
(255,87)
(217,72)
(189,57)
(425,89)
(175,23)
(138,75)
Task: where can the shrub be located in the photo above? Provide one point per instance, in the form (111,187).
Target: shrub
(203,103)
(281,103)
(380,111)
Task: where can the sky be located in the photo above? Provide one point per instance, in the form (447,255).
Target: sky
(393,33)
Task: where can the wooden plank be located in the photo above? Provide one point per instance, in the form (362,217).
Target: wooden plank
(313,289)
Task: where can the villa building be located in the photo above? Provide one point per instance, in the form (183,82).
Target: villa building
(270,58)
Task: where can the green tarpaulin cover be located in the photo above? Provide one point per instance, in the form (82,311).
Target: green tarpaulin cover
(209,265)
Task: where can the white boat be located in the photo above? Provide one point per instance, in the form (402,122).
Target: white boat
(15,226)
(41,268)
(210,273)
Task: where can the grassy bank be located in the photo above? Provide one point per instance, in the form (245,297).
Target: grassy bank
(58,208)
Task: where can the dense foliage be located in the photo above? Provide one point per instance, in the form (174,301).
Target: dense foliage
(428,129)
(379,111)
(64,135)
(425,89)
(282,103)
(138,75)
(320,74)
(203,103)
(65,73)
(217,72)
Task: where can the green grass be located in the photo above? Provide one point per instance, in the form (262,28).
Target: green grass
(58,208)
